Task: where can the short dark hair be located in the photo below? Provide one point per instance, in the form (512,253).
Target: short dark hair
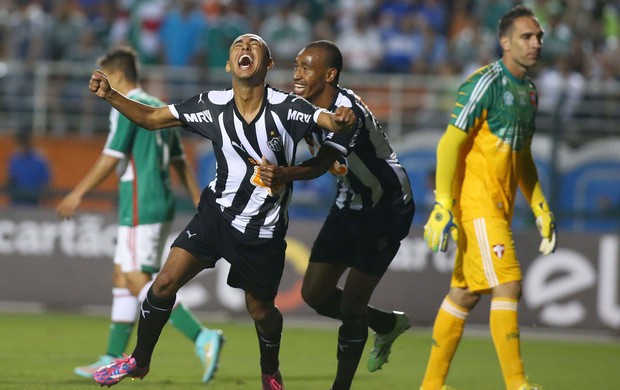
(507,21)
(123,58)
(333,56)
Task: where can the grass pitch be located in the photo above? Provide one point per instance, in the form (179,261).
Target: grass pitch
(40,352)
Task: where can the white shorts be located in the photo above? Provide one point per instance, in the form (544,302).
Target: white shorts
(139,248)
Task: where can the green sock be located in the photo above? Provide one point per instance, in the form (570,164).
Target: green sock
(119,338)
(185,321)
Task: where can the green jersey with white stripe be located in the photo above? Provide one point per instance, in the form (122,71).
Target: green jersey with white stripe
(145,191)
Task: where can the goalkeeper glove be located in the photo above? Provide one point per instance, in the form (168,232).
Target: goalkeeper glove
(545,222)
(440,223)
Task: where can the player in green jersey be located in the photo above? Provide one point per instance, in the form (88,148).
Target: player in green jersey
(143,160)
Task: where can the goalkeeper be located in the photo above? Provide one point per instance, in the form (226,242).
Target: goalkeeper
(481,159)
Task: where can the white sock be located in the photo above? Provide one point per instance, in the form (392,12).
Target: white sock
(143,291)
(124,305)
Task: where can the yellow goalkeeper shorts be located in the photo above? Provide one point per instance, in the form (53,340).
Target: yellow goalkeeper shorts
(485,255)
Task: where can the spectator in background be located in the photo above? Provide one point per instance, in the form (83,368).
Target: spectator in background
(561,89)
(399,8)
(145,19)
(313,10)
(92,8)
(85,50)
(287,31)
(29,173)
(490,11)
(558,36)
(436,14)
(68,25)
(324,29)
(605,75)
(403,44)
(471,47)
(361,44)
(28,27)
(180,33)
(412,46)
(609,63)
(102,24)
(223,29)
(345,11)
(433,55)
(610,14)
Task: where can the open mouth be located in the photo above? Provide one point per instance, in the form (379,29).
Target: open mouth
(299,88)
(245,61)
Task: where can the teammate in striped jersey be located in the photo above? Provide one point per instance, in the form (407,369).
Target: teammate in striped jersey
(484,155)
(239,218)
(371,214)
(143,161)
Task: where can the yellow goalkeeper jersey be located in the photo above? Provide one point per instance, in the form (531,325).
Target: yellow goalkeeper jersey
(497,112)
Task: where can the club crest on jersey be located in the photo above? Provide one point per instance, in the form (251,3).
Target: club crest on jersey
(275,143)
(509,99)
(499,250)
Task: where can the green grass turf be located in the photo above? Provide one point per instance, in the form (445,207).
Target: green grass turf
(40,352)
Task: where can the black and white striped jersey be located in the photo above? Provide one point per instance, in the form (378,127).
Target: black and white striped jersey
(368,173)
(283,120)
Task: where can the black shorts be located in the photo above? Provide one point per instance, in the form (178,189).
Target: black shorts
(256,263)
(364,240)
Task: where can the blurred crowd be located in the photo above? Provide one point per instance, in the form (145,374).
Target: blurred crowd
(386,36)
(430,37)
(581,51)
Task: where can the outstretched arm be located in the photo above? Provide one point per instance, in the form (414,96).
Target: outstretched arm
(342,120)
(100,170)
(275,175)
(150,118)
